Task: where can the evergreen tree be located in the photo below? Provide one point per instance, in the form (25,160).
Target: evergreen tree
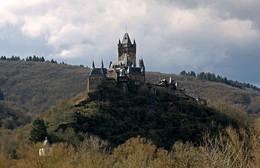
(3,57)
(14,154)
(53,61)
(42,59)
(35,58)
(1,95)
(192,73)
(183,73)
(202,76)
(29,58)
(38,131)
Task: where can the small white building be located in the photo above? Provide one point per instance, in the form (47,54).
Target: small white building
(46,149)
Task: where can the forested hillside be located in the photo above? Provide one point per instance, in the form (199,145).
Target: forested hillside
(104,123)
(214,92)
(110,129)
(35,86)
(11,118)
(14,127)
(114,116)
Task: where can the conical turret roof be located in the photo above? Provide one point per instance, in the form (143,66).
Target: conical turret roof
(93,65)
(102,64)
(126,39)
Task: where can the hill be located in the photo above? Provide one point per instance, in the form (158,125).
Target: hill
(110,114)
(214,92)
(14,127)
(115,117)
(11,118)
(35,86)
(159,121)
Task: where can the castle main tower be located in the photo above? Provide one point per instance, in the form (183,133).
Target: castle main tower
(126,48)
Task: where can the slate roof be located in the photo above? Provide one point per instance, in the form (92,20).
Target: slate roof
(135,71)
(126,39)
(98,72)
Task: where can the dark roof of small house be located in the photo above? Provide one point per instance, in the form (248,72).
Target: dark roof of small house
(98,72)
(135,70)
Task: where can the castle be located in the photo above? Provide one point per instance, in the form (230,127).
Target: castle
(123,70)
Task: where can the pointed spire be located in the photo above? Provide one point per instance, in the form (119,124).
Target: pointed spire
(93,65)
(126,39)
(142,71)
(119,42)
(142,64)
(134,41)
(102,64)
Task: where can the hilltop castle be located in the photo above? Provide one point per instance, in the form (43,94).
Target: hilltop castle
(125,70)
(122,70)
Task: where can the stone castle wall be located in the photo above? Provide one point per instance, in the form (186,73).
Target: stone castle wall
(93,82)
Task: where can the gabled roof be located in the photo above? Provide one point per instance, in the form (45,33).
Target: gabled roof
(98,72)
(126,39)
(134,70)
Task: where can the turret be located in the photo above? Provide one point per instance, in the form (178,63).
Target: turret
(127,47)
(93,65)
(141,65)
(126,40)
(102,64)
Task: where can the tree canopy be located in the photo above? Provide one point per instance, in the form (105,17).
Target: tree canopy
(212,77)
(38,131)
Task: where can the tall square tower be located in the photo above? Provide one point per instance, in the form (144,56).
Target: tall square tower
(127,48)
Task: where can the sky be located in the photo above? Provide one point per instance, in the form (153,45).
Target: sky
(217,36)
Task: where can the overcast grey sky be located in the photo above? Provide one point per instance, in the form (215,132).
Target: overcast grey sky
(219,36)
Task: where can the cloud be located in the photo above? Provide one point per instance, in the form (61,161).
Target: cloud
(170,35)
(195,39)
